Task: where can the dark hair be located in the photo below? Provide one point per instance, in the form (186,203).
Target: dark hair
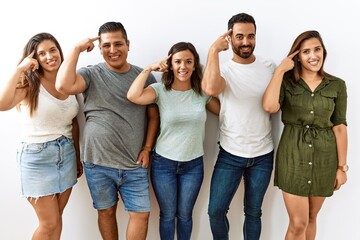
(241,18)
(295,73)
(32,78)
(196,76)
(112,27)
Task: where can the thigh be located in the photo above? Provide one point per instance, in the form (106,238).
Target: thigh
(297,207)
(189,183)
(134,190)
(164,181)
(46,209)
(103,188)
(225,180)
(257,178)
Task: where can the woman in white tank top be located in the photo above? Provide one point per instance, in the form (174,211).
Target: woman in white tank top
(48,155)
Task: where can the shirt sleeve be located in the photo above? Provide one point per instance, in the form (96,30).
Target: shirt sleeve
(339,114)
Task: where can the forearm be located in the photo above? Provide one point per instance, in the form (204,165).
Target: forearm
(76,137)
(8,93)
(137,87)
(340,132)
(270,100)
(152,127)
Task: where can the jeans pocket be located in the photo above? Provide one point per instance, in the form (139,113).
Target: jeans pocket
(88,165)
(33,148)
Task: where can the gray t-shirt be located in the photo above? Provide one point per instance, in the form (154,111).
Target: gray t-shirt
(115,128)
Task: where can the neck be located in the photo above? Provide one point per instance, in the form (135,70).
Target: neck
(49,76)
(181,86)
(311,76)
(241,60)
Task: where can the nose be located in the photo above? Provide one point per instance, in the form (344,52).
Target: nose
(48,55)
(112,48)
(245,41)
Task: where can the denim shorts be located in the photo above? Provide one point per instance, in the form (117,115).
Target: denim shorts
(106,183)
(46,168)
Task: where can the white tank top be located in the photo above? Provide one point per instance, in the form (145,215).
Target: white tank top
(51,120)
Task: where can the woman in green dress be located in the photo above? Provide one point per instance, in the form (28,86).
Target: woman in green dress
(311,156)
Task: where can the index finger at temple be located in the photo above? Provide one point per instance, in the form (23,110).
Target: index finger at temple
(227,33)
(168,57)
(31,55)
(293,54)
(94,39)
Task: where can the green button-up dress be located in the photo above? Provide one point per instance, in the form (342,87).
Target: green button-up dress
(306,159)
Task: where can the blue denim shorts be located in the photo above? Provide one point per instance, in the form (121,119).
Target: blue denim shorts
(106,183)
(46,168)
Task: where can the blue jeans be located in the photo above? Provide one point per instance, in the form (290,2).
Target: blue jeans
(225,180)
(106,183)
(176,186)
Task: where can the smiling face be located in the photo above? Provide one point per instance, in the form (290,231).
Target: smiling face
(311,55)
(243,42)
(114,48)
(48,56)
(183,65)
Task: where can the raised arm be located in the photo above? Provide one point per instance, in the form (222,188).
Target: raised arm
(10,95)
(270,100)
(144,96)
(68,81)
(213,84)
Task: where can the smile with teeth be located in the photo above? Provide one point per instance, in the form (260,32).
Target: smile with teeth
(314,62)
(183,73)
(51,63)
(114,57)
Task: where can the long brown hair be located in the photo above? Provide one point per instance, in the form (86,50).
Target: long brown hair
(31,80)
(196,76)
(295,73)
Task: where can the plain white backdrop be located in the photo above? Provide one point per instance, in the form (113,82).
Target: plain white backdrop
(153,27)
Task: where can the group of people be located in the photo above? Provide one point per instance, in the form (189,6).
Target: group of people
(134,123)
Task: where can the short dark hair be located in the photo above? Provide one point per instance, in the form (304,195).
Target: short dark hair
(112,27)
(241,18)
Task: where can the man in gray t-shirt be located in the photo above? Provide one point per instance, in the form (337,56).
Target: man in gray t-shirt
(118,136)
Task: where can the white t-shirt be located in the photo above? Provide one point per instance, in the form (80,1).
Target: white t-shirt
(51,120)
(245,128)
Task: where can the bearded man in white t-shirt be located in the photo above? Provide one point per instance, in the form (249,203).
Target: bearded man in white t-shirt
(246,145)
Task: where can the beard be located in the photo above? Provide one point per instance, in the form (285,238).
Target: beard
(238,51)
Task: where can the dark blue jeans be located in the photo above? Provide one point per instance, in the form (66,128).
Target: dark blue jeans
(225,180)
(176,186)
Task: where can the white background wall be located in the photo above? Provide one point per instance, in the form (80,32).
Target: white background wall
(153,27)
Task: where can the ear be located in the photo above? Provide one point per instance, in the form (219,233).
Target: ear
(128,44)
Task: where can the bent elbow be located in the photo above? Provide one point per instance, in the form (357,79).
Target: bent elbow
(271,109)
(210,91)
(130,97)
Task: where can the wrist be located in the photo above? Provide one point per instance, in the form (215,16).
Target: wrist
(343,168)
(146,148)
(147,70)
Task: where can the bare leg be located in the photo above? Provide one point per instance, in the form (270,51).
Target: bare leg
(138,226)
(49,210)
(108,224)
(315,204)
(298,211)
(62,199)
